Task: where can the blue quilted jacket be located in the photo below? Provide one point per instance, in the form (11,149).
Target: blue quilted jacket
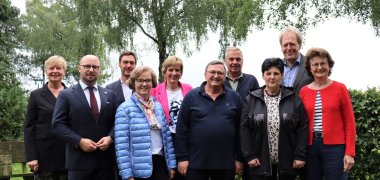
(133,141)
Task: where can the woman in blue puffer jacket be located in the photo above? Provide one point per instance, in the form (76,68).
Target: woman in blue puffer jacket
(144,148)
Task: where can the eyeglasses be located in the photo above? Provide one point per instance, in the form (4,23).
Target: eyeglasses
(88,67)
(142,81)
(322,64)
(219,73)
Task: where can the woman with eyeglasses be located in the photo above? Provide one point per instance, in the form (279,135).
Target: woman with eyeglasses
(144,148)
(332,131)
(273,130)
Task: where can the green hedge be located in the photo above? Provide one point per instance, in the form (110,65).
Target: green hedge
(366,106)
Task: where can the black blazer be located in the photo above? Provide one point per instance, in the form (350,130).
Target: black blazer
(40,143)
(72,120)
(118,90)
(302,78)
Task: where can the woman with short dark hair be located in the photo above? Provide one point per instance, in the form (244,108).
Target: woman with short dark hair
(274,129)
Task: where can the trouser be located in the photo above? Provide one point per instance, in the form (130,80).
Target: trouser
(92,174)
(160,170)
(275,175)
(201,174)
(50,176)
(325,161)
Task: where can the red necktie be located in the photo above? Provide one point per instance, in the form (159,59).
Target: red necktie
(93,103)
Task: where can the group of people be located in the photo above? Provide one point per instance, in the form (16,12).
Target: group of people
(300,122)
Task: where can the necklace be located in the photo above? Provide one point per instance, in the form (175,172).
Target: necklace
(272,95)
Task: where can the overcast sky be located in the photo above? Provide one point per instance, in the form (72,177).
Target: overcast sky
(353,46)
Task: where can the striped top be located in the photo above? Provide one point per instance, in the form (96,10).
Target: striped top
(318,114)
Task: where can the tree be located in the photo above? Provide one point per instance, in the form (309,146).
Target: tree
(53,28)
(12,96)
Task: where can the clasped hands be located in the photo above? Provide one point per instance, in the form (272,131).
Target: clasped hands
(296,163)
(87,145)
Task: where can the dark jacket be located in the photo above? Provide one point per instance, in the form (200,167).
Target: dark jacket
(246,84)
(302,78)
(207,130)
(117,89)
(40,143)
(72,120)
(292,138)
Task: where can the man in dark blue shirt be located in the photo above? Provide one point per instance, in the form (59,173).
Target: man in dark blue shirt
(207,140)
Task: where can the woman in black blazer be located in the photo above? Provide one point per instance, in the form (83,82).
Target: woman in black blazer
(45,153)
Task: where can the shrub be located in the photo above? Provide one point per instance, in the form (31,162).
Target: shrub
(366,106)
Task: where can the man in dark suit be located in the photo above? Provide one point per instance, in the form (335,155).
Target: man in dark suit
(84,118)
(294,72)
(127,63)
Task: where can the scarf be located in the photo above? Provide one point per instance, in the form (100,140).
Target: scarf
(148,107)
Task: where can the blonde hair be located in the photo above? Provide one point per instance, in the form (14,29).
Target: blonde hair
(56,61)
(171,61)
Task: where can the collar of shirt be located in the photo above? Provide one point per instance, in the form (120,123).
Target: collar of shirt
(84,86)
(228,76)
(298,62)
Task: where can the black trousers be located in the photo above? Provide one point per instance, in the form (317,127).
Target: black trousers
(160,170)
(92,174)
(201,174)
(274,176)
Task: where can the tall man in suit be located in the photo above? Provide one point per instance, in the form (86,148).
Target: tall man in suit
(294,72)
(84,118)
(240,82)
(127,63)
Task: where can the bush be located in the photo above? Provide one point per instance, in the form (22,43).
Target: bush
(366,106)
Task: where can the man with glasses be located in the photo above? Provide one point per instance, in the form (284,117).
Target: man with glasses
(294,71)
(127,63)
(207,140)
(84,118)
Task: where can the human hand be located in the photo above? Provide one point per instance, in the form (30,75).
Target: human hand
(104,143)
(171,173)
(87,145)
(348,163)
(254,163)
(182,167)
(33,165)
(238,167)
(297,164)
(131,178)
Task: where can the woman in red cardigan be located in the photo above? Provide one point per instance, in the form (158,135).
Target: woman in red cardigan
(332,132)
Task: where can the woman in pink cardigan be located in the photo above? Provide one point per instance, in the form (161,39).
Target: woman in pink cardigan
(171,92)
(332,132)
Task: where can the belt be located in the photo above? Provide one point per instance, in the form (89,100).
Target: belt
(318,134)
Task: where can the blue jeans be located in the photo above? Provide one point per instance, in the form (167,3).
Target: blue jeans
(325,161)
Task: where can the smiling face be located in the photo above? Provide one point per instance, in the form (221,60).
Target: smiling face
(143,84)
(319,67)
(173,74)
(89,69)
(272,78)
(215,75)
(127,64)
(55,73)
(290,47)
(234,61)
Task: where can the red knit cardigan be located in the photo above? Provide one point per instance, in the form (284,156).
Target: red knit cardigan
(338,120)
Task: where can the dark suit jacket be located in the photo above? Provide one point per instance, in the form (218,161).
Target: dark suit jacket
(302,78)
(246,84)
(118,90)
(40,143)
(72,120)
